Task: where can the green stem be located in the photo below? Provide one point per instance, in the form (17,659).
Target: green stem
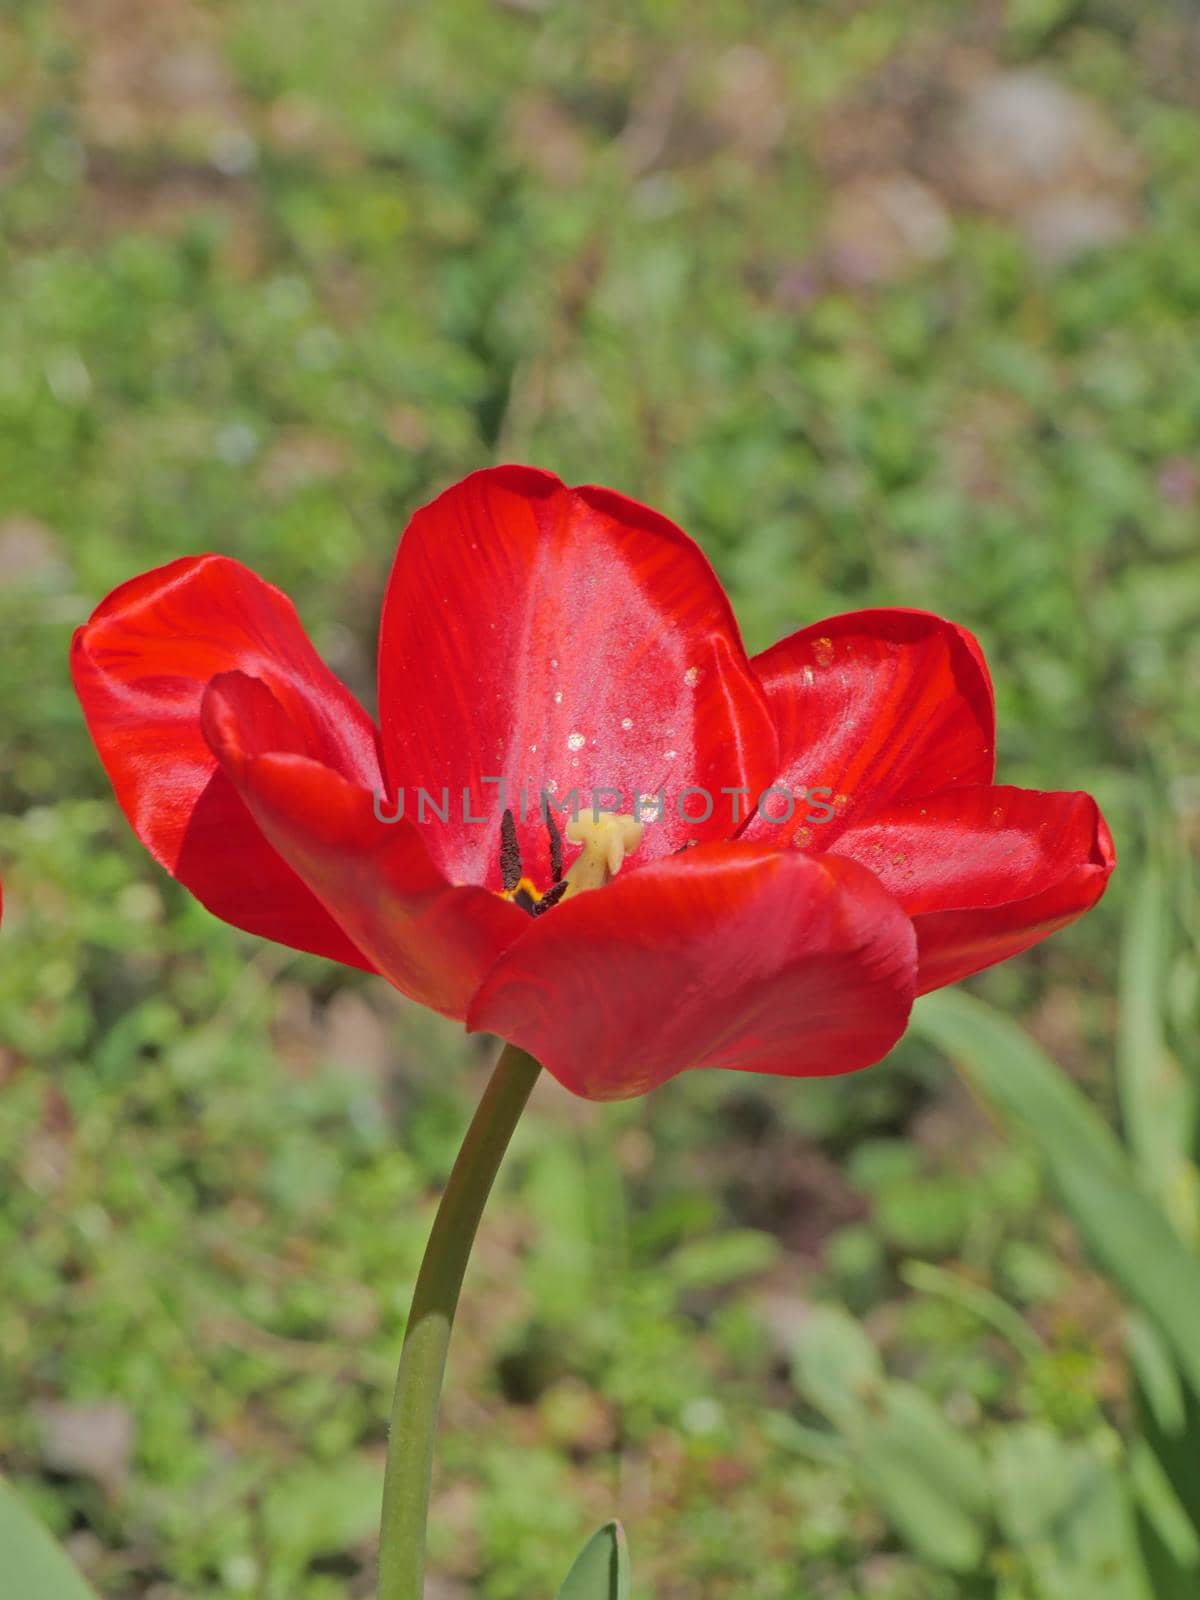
(423,1355)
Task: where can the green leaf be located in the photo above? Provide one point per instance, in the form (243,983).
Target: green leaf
(1157,1381)
(1157,1102)
(981,1302)
(1162,1518)
(1002,1063)
(561,1268)
(927,1477)
(1168,1414)
(723,1258)
(1126,1231)
(34,1566)
(308,1511)
(835,1364)
(1067,1514)
(601,1570)
(1169,1579)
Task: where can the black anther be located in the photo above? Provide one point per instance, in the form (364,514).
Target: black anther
(555,847)
(550,898)
(510,853)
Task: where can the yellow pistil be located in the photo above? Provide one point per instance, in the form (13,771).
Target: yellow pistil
(607,838)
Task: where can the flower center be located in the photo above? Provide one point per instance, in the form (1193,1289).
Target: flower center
(607,839)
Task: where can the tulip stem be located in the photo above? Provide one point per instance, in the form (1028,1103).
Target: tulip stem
(413,1428)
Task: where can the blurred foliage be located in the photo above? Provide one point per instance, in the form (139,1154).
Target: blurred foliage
(801,276)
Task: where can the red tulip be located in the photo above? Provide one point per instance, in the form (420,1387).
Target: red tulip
(570,639)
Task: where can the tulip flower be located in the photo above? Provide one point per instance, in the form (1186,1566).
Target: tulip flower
(538,640)
(766,860)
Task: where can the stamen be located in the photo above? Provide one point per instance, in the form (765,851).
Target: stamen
(556,859)
(606,839)
(510,853)
(550,898)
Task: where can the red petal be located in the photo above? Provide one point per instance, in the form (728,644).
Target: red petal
(560,638)
(877,706)
(731,955)
(432,940)
(141,665)
(985,872)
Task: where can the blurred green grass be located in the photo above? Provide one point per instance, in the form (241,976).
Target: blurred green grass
(272,275)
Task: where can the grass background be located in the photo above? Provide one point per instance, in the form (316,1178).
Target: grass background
(887,303)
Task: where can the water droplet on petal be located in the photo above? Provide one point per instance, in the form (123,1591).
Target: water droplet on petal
(575,741)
